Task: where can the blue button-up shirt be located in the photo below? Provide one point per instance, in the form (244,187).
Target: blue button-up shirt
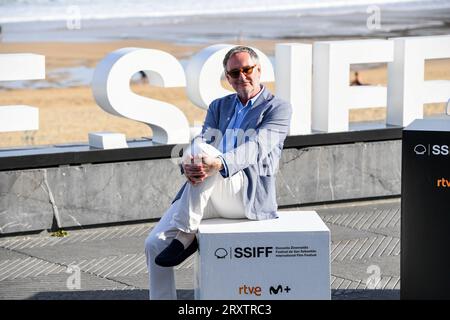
(229,140)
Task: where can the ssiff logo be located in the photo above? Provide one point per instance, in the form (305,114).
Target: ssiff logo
(244,252)
(221,253)
(435,150)
(420,149)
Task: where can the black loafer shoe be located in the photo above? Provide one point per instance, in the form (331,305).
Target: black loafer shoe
(175,253)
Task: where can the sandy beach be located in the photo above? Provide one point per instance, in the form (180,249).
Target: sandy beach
(67,110)
(67,115)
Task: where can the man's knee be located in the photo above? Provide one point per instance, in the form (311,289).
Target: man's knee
(153,245)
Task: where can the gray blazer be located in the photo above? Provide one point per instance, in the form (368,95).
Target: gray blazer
(258,151)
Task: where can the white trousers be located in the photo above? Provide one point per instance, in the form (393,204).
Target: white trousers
(214,197)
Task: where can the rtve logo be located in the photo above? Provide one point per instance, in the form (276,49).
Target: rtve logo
(249,290)
(257,290)
(435,149)
(443,183)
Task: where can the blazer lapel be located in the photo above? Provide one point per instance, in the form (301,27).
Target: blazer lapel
(227,113)
(265,95)
(257,109)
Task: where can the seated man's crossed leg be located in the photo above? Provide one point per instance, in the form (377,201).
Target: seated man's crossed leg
(173,239)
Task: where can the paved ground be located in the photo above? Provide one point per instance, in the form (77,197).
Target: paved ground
(365,259)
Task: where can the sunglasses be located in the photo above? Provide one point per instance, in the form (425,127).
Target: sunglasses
(235,73)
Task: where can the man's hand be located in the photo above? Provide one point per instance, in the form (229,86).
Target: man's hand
(201,167)
(211,165)
(193,170)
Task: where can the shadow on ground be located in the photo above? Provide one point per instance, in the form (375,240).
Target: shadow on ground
(365,294)
(189,295)
(137,294)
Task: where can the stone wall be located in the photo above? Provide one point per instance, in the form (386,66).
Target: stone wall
(92,194)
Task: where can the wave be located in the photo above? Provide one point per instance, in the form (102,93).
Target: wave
(13,11)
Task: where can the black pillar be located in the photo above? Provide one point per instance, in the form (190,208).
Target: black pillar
(425,215)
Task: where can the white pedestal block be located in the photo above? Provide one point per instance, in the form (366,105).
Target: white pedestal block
(284,258)
(18,118)
(107,140)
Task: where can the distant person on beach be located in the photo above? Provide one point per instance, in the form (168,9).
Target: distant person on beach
(356,81)
(230,169)
(447,109)
(143,76)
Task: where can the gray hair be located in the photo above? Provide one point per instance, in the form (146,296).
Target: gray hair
(238,49)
